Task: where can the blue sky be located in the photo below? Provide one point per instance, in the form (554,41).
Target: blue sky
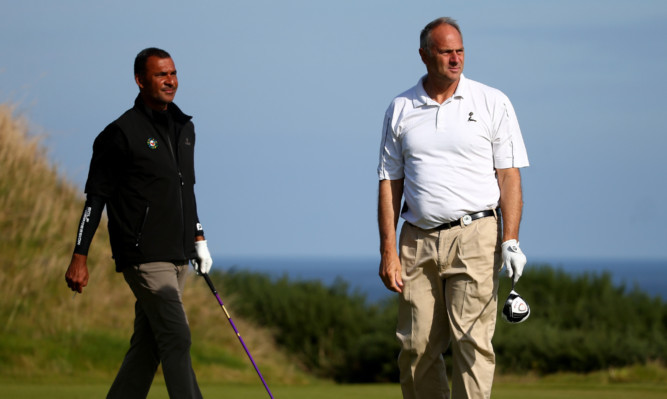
(288,99)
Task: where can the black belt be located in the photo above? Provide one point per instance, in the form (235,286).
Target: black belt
(466,220)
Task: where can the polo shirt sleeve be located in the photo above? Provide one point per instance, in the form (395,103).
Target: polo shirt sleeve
(391,158)
(107,165)
(509,150)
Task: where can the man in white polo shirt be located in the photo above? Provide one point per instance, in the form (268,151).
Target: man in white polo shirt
(452,149)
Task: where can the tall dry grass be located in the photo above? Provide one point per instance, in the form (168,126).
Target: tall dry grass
(39,213)
(38,216)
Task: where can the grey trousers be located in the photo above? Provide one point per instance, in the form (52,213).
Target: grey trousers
(161,334)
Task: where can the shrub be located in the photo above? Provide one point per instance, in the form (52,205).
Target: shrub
(578,323)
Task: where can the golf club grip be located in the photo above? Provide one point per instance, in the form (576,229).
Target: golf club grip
(210,283)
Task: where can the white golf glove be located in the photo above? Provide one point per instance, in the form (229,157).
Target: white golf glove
(513,259)
(203,262)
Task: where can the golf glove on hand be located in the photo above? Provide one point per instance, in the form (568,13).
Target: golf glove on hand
(513,259)
(203,262)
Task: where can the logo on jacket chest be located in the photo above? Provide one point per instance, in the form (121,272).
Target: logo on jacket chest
(152,143)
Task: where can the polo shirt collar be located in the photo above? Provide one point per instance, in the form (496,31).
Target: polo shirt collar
(422,98)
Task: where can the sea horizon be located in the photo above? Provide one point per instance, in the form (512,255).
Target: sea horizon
(361,272)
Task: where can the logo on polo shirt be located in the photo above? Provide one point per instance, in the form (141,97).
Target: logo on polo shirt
(470,118)
(152,143)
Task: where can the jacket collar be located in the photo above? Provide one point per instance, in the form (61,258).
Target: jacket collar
(172,108)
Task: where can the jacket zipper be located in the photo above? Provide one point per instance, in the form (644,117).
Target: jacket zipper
(180,197)
(143,224)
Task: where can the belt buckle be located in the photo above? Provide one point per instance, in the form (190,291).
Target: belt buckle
(466,220)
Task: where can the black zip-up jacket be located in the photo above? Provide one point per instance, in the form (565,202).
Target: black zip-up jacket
(147,181)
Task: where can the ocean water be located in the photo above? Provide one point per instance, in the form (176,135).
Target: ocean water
(361,273)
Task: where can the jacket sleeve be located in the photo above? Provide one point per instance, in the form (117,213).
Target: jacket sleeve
(108,163)
(90,219)
(199,229)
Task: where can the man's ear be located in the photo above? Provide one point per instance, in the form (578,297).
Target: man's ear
(139,81)
(423,54)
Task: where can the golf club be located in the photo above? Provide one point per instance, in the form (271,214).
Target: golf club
(516,309)
(222,305)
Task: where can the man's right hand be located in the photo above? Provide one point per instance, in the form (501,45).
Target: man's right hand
(77,273)
(390,272)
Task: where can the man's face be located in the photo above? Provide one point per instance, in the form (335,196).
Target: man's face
(159,84)
(444,59)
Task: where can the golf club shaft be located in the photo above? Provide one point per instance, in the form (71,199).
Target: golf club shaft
(222,305)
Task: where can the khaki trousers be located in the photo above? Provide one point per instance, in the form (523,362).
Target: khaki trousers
(449,297)
(161,334)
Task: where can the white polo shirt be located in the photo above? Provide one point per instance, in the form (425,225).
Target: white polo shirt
(447,153)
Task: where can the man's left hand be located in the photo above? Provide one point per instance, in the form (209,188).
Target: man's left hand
(513,259)
(203,262)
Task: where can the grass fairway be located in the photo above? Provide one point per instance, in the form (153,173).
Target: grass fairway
(329,391)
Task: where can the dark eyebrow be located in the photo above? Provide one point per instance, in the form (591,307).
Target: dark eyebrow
(449,50)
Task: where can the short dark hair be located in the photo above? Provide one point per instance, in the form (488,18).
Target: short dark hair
(425,36)
(142,57)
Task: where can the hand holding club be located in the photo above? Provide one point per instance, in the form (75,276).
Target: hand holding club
(513,259)
(203,262)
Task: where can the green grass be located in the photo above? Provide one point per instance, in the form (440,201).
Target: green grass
(539,389)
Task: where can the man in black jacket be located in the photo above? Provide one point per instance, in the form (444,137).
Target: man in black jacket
(142,170)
